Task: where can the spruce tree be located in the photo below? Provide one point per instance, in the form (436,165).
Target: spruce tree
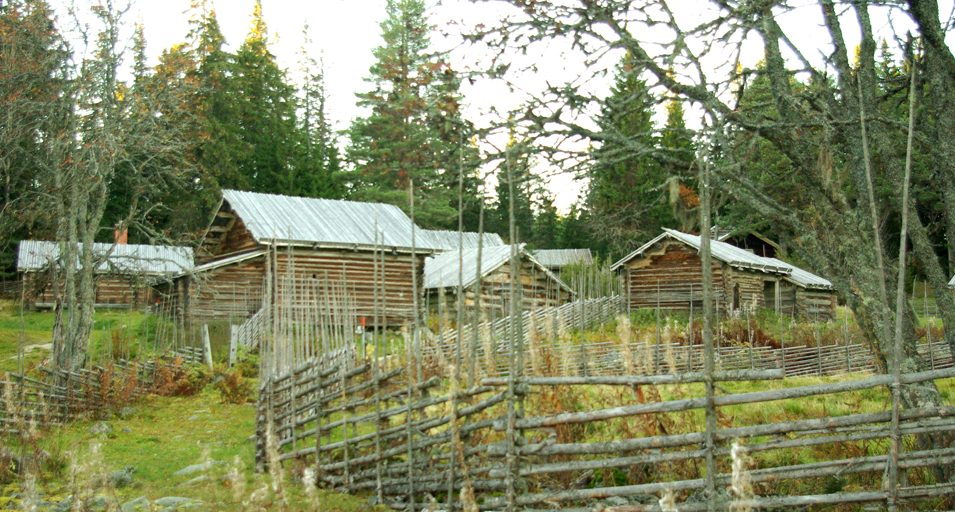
(519,160)
(414,131)
(627,195)
(265,113)
(319,163)
(33,60)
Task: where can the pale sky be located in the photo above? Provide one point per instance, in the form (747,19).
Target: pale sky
(344,32)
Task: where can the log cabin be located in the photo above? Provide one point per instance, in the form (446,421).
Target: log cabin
(310,250)
(539,286)
(666,272)
(556,260)
(125,279)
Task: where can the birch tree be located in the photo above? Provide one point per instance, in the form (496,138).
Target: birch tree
(107,134)
(698,58)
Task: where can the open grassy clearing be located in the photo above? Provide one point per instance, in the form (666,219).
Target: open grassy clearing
(167,434)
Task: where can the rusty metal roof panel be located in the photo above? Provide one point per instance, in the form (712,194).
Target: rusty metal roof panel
(448,240)
(326,223)
(125,258)
(558,258)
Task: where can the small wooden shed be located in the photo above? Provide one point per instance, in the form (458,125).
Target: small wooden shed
(325,249)
(539,286)
(667,272)
(556,259)
(125,279)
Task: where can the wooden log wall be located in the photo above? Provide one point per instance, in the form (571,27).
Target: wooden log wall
(538,290)
(352,274)
(227,235)
(671,277)
(112,290)
(787,297)
(819,305)
(231,292)
(743,289)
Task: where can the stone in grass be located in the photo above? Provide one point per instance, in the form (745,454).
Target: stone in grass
(140,503)
(195,468)
(196,480)
(127,430)
(192,418)
(99,503)
(616,501)
(121,477)
(101,427)
(127,412)
(175,502)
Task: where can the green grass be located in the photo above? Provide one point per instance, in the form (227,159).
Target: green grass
(163,440)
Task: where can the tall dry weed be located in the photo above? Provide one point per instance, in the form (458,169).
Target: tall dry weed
(624,334)
(490,363)
(741,486)
(87,475)
(534,345)
(668,502)
(669,339)
(644,340)
(568,368)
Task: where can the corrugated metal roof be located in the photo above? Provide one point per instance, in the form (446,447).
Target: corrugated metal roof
(448,240)
(557,258)
(722,251)
(732,255)
(442,270)
(224,262)
(738,258)
(325,222)
(804,278)
(145,259)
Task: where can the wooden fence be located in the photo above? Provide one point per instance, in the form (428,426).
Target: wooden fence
(430,444)
(545,422)
(64,396)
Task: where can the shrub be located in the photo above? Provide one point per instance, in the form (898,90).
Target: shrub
(247,362)
(234,388)
(177,379)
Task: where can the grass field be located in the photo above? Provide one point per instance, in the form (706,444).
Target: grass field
(167,434)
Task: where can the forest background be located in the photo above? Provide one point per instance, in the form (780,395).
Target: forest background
(807,144)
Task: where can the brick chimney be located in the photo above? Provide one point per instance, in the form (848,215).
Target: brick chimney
(120,236)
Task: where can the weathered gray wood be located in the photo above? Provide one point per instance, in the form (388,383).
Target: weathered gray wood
(641,380)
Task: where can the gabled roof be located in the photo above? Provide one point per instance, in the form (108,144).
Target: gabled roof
(324,223)
(557,258)
(225,262)
(125,258)
(804,278)
(448,240)
(737,258)
(442,270)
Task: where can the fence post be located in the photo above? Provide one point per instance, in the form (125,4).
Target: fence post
(206,346)
(233,345)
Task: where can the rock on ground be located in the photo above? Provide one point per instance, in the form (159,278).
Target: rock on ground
(140,503)
(101,427)
(195,468)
